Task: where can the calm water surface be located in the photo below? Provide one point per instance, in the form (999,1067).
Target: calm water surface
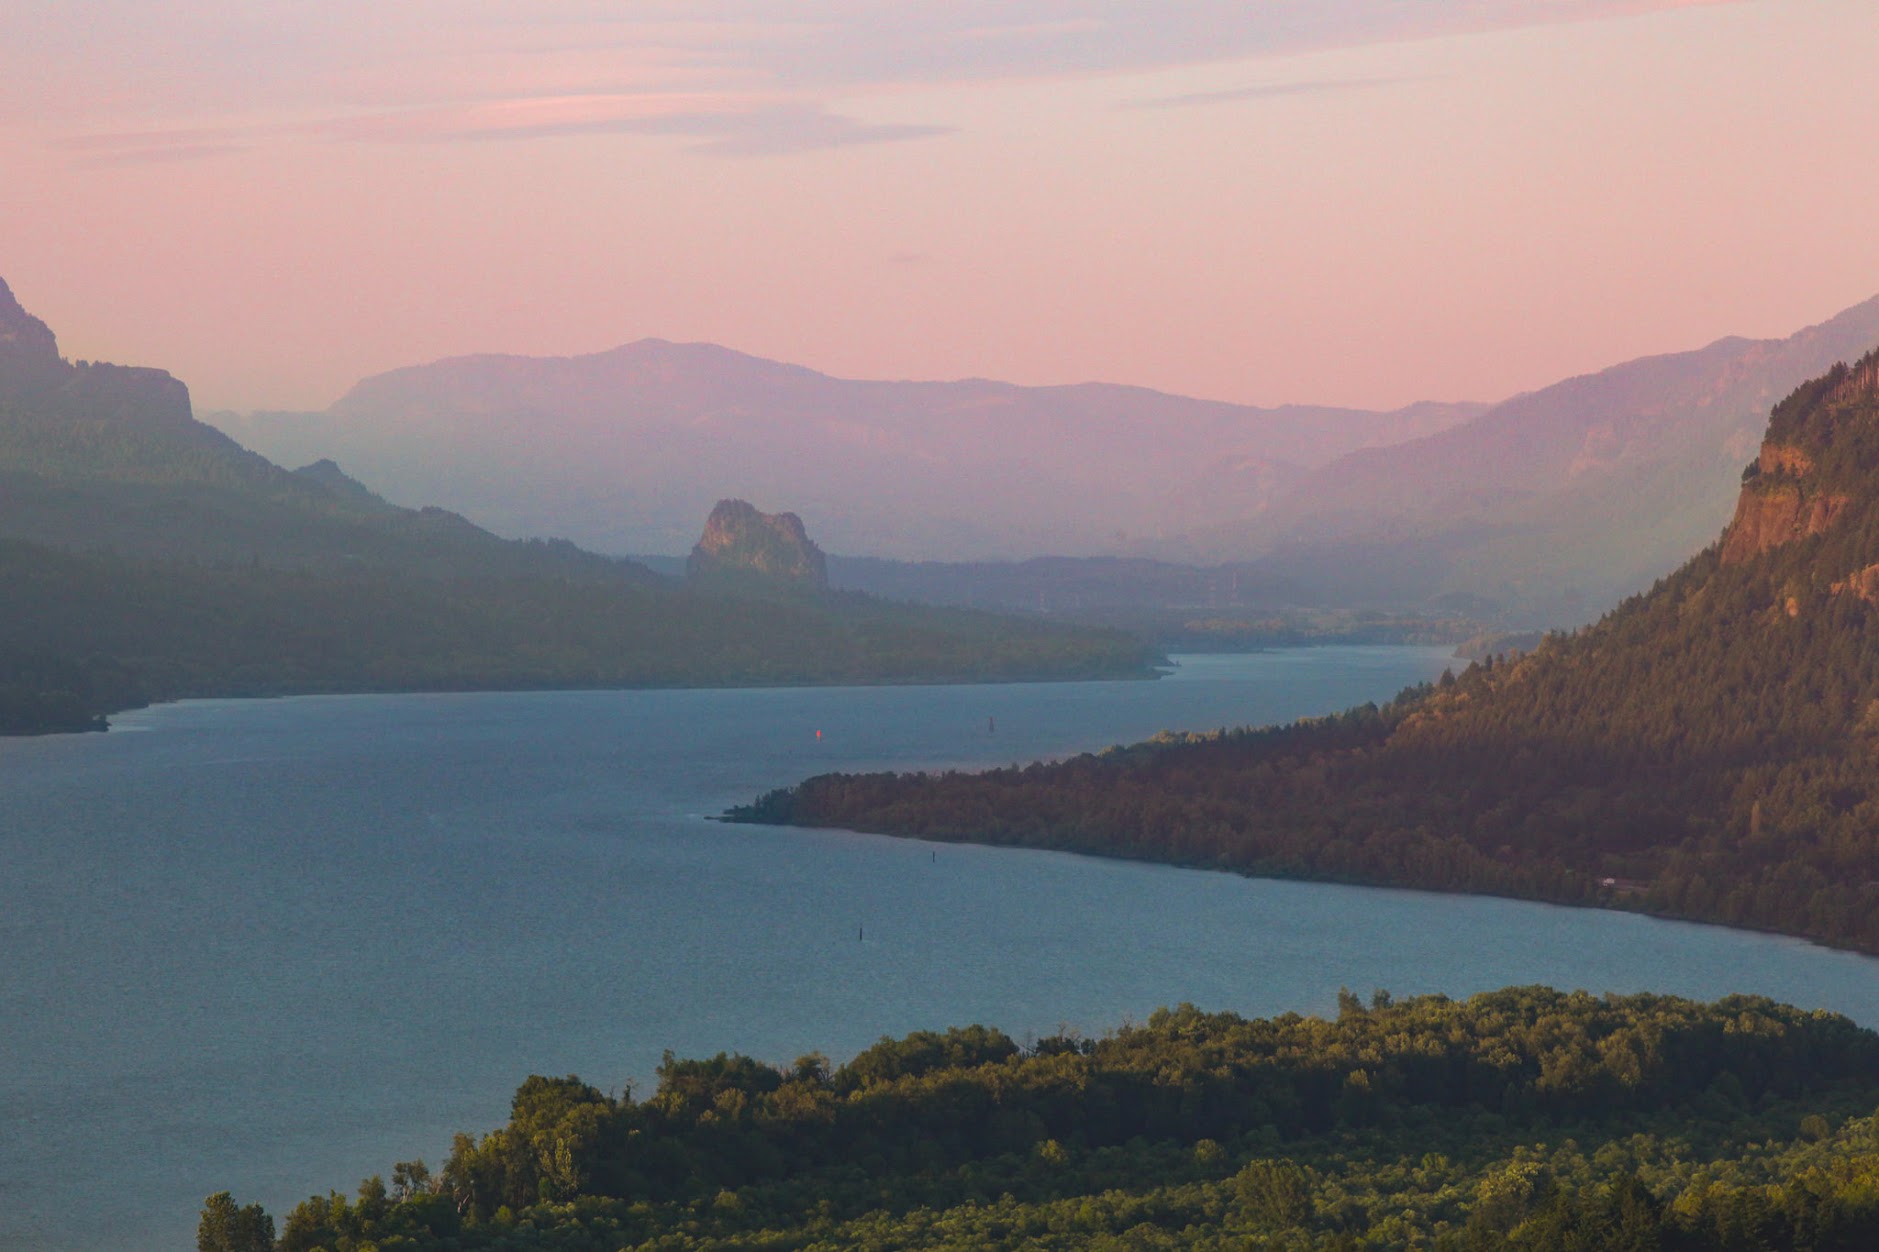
(276,946)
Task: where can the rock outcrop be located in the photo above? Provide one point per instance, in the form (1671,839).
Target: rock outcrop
(29,352)
(1773,516)
(126,393)
(32,369)
(1778,505)
(1863,583)
(744,544)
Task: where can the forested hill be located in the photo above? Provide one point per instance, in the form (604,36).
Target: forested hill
(145,555)
(1709,750)
(107,458)
(1524,1118)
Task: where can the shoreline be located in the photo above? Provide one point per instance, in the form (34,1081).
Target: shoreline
(727,818)
(1148,674)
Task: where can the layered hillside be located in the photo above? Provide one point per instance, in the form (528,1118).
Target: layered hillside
(107,458)
(148,556)
(1546,508)
(1709,750)
(1553,505)
(623,450)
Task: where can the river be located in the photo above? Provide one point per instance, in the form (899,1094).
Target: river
(275,946)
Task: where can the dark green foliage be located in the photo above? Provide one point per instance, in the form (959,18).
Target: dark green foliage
(1709,750)
(145,556)
(43,691)
(174,629)
(1524,1118)
(227,1228)
(925,1052)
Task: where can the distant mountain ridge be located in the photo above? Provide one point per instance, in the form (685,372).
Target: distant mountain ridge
(33,372)
(147,555)
(622,450)
(1560,500)
(1542,509)
(110,457)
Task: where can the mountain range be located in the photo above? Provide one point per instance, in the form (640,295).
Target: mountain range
(1544,508)
(1558,502)
(622,451)
(147,555)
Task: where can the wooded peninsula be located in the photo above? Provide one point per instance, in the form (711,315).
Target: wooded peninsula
(1709,750)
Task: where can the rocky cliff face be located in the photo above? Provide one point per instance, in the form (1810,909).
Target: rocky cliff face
(740,542)
(29,353)
(1780,503)
(126,393)
(1863,583)
(32,369)
(1814,477)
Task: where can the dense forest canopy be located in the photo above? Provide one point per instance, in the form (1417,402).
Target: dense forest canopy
(1709,750)
(1524,1118)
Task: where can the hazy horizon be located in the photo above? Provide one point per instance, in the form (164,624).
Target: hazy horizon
(935,380)
(1344,204)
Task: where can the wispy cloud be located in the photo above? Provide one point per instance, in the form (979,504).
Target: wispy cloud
(526,117)
(778,71)
(774,132)
(159,156)
(832,44)
(1260,91)
(152,147)
(723,125)
(720,125)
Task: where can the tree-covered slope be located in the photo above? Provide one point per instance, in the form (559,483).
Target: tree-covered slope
(1554,504)
(1524,1118)
(169,630)
(107,458)
(1709,750)
(144,555)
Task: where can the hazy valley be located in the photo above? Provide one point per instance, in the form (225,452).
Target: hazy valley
(623,448)
(1089,626)
(150,557)
(1701,753)
(1542,510)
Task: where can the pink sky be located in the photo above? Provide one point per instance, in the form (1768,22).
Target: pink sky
(1337,201)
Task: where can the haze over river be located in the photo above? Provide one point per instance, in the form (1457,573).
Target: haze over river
(275,946)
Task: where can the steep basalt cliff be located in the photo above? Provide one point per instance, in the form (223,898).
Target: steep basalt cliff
(742,543)
(1777,506)
(1816,467)
(1821,453)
